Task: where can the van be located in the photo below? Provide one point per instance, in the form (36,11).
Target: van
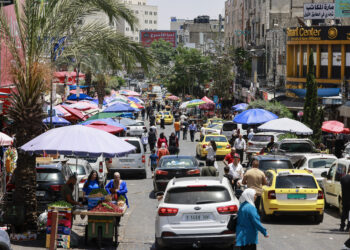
(228,129)
(130,164)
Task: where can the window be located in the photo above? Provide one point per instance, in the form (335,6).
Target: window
(269,178)
(150,13)
(155,22)
(127,29)
(135,144)
(136,11)
(216,139)
(155,13)
(146,12)
(49,175)
(331,172)
(320,163)
(80,170)
(136,38)
(341,171)
(295,181)
(297,147)
(150,21)
(146,21)
(274,164)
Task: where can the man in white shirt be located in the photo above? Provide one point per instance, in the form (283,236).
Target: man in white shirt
(240,146)
(236,170)
(183,118)
(202,133)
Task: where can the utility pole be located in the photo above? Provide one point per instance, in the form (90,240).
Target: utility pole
(220,24)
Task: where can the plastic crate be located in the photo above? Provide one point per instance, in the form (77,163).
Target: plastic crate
(62,241)
(93,202)
(60,230)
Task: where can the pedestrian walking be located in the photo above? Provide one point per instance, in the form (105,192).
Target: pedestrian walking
(248,222)
(345,189)
(148,111)
(229,176)
(152,119)
(163,151)
(230,157)
(173,144)
(240,146)
(152,139)
(177,128)
(193,130)
(211,153)
(236,170)
(251,134)
(143,114)
(162,121)
(184,126)
(255,178)
(183,117)
(144,139)
(162,139)
(153,160)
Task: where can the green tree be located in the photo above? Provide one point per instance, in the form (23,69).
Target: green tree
(243,61)
(41,25)
(275,107)
(162,51)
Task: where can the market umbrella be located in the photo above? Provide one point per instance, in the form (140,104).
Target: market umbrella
(74,112)
(5,140)
(103,116)
(81,97)
(83,105)
(120,107)
(60,111)
(78,140)
(254,116)
(207,100)
(334,127)
(195,103)
(183,105)
(240,107)
(286,125)
(173,98)
(128,92)
(109,121)
(57,121)
(96,101)
(105,127)
(135,99)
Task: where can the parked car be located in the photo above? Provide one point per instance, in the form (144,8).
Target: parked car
(132,163)
(316,164)
(260,141)
(229,127)
(136,129)
(168,117)
(171,166)
(267,162)
(83,169)
(292,191)
(194,212)
(331,183)
(50,178)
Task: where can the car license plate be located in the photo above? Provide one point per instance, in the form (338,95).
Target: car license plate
(296,196)
(219,146)
(40,193)
(125,167)
(197,217)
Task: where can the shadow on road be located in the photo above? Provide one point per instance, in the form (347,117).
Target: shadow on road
(331,231)
(152,195)
(333,211)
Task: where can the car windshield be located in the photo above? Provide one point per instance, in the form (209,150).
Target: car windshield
(197,195)
(216,121)
(261,138)
(321,163)
(297,147)
(91,159)
(215,138)
(229,126)
(80,170)
(274,164)
(166,113)
(138,124)
(49,175)
(177,163)
(295,181)
(136,144)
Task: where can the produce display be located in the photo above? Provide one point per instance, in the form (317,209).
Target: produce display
(63,204)
(95,193)
(108,207)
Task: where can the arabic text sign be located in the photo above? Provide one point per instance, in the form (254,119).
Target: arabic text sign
(148,37)
(342,8)
(319,11)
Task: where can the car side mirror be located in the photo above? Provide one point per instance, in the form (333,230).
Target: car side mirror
(324,174)
(201,164)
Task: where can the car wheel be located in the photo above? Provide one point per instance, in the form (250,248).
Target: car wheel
(318,218)
(157,246)
(264,216)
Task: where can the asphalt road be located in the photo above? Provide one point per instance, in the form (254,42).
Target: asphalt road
(137,226)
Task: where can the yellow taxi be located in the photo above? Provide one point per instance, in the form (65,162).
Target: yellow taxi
(168,117)
(223,146)
(213,121)
(292,191)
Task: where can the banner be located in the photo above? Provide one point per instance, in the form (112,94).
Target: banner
(318,33)
(319,10)
(342,8)
(148,37)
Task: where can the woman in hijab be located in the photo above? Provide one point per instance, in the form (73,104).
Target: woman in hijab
(248,222)
(163,151)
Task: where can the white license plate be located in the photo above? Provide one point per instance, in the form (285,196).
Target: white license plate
(40,193)
(197,217)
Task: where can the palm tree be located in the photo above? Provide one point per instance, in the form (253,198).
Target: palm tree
(41,27)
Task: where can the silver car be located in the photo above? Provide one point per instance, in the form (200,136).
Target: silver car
(136,129)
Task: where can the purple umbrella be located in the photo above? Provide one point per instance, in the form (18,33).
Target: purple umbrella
(78,140)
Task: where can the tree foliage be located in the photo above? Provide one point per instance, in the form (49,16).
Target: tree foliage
(162,51)
(275,107)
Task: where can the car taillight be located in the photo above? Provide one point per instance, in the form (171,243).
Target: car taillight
(100,169)
(10,187)
(110,160)
(320,195)
(271,195)
(165,234)
(56,187)
(227,209)
(195,171)
(250,144)
(161,172)
(228,146)
(143,159)
(204,146)
(143,128)
(167,211)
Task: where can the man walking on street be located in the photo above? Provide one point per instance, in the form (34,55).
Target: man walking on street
(345,189)
(255,178)
(236,170)
(240,146)
(184,125)
(193,130)
(177,128)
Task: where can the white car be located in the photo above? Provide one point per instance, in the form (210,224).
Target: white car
(136,129)
(316,164)
(213,129)
(98,164)
(83,169)
(228,129)
(194,212)
(260,141)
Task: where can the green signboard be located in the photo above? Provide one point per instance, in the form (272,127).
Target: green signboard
(342,8)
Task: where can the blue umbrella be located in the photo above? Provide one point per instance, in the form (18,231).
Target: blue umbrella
(96,101)
(240,107)
(57,121)
(120,107)
(254,116)
(81,97)
(109,121)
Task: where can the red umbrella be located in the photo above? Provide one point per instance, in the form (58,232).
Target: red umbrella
(207,100)
(173,98)
(346,131)
(75,112)
(105,127)
(335,127)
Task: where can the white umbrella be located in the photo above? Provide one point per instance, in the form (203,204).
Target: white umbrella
(286,125)
(5,140)
(183,105)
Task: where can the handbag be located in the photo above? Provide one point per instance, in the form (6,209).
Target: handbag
(232,223)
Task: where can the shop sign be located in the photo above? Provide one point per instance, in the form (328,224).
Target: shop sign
(319,10)
(342,8)
(318,33)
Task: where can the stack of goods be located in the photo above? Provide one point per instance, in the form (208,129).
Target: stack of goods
(109,207)
(95,196)
(64,226)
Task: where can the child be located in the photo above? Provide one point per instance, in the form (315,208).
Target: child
(229,176)
(153,158)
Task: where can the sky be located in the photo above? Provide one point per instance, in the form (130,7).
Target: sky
(186,9)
